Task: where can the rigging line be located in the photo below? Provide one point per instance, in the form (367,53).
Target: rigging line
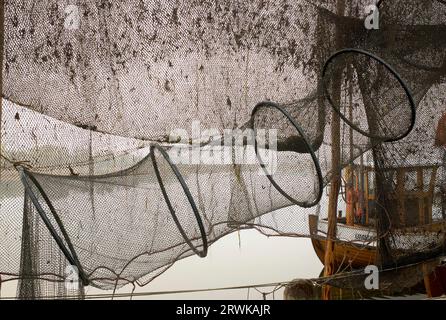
(339,276)
(16,163)
(267,293)
(318,281)
(152,293)
(108,157)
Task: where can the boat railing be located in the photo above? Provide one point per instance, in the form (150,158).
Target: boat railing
(411,193)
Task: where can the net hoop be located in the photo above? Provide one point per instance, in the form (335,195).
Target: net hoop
(174,168)
(392,71)
(269,104)
(69,252)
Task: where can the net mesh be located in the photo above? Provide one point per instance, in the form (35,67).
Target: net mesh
(137,133)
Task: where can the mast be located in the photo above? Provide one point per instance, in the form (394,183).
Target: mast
(336,161)
(350,171)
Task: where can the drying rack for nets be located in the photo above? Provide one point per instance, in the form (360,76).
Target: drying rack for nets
(102,165)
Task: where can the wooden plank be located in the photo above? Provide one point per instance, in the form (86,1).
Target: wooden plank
(349,195)
(433,179)
(346,254)
(427,282)
(421,202)
(431,191)
(400,186)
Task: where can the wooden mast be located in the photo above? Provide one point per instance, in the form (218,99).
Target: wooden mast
(350,172)
(336,165)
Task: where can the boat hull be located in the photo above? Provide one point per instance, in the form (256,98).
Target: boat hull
(345,253)
(356,256)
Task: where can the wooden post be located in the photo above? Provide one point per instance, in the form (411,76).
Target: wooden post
(350,192)
(400,187)
(427,281)
(349,195)
(431,191)
(329,263)
(421,197)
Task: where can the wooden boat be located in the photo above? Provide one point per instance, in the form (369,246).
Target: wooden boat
(415,222)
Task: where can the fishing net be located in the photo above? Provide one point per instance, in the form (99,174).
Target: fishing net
(137,133)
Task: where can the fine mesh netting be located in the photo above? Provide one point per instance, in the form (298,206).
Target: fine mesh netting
(137,133)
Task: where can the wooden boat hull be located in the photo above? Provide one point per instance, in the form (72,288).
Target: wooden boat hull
(345,253)
(356,245)
(356,256)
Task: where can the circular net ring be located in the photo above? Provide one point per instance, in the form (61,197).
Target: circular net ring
(173,167)
(68,249)
(310,151)
(392,71)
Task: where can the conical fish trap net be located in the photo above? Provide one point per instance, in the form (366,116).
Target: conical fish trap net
(135,134)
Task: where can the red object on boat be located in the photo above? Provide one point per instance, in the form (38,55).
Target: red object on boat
(438,281)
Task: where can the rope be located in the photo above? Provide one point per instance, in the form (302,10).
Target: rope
(154,293)
(15,164)
(277,285)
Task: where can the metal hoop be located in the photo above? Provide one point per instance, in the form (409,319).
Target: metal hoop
(186,190)
(273,105)
(69,253)
(392,71)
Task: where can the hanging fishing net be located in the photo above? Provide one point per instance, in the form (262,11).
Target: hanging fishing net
(137,133)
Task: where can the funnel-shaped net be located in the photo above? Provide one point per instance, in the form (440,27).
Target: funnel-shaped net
(101,144)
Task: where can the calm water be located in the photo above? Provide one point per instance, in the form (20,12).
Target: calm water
(259,260)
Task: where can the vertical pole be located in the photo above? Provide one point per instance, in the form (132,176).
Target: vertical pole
(363,193)
(329,262)
(427,281)
(350,192)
